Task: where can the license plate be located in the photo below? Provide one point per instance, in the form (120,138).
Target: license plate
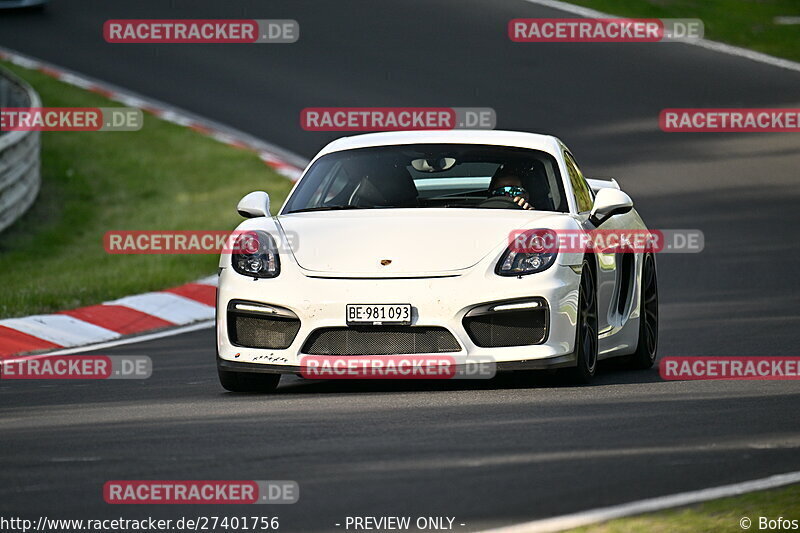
(379,314)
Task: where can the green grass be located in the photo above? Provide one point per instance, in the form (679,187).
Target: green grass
(717,516)
(747,23)
(163,177)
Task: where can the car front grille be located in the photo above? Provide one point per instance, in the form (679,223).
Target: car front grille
(508,328)
(252,331)
(380,340)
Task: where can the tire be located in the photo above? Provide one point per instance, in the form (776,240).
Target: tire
(248,381)
(586,328)
(647,346)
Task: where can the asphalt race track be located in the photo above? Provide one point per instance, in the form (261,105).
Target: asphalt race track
(489,454)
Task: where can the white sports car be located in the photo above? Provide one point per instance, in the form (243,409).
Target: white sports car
(398,243)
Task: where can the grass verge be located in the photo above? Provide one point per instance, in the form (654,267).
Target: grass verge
(717,516)
(747,23)
(163,177)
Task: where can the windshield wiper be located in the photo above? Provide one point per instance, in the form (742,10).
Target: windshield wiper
(326,208)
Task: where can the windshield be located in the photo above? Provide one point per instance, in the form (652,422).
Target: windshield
(430,175)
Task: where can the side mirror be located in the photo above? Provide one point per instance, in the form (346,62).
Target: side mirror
(255,204)
(609,202)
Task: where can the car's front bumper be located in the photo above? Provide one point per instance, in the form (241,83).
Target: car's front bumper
(320,302)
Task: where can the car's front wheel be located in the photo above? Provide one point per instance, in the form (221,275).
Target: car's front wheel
(586,329)
(645,354)
(248,381)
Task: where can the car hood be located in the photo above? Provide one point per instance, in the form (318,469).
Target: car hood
(392,242)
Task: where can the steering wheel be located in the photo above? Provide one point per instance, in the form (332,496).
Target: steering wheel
(500,202)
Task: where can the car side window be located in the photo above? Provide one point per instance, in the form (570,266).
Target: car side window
(583,193)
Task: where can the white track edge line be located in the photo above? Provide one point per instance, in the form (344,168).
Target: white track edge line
(702,43)
(603,514)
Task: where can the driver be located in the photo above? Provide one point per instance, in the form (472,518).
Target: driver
(506,182)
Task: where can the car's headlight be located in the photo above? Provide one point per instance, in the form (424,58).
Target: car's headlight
(534,253)
(255,254)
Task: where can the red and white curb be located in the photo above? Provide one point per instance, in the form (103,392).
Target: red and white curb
(108,321)
(133,315)
(281,161)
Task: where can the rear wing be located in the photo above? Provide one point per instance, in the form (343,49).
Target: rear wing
(597,184)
